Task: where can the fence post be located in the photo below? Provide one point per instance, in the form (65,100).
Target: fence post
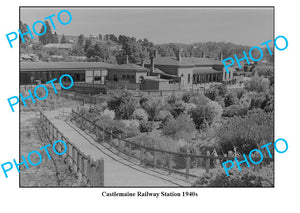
(99,173)
(78,161)
(154,157)
(88,169)
(142,152)
(207,164)
(169,162)
(187,166)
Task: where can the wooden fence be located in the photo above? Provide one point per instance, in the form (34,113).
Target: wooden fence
(92,170)
(172,162)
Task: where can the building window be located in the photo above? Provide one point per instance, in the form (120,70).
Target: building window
(189,78)
(123,76)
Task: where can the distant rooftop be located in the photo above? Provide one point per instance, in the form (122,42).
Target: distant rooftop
(50,66)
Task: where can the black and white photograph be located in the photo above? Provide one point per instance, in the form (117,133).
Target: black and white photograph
(146,96)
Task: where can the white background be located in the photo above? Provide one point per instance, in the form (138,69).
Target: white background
(283,198)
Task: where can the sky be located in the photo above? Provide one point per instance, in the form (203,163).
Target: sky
(246,26)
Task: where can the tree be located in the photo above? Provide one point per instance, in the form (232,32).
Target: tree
(63,39)
(122,103)
(55,38)
(88,44)
(23,29)
(47,37)
(203,116)
(80,40)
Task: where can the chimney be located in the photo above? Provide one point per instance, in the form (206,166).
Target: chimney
(142,63)
(151,65)
(178,55)
(221,56)
(126,61)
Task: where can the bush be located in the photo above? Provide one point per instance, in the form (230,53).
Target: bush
(109,113)
(257,84)
(186,97)
(216,90)
(199,100)
(234,110)
(122,103)
(176,108)
(126,109)
(146,126)
(217,109)
(246,133)
(244,178)
(163,115)
(230,99)
(140,114)
(153,108)
(203,116)
(180,128)
(131,123)
(220,100)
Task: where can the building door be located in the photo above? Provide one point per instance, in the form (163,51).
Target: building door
(115,77)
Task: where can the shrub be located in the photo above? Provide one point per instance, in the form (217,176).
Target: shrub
(130,123)
(220,100)
(180,128)
(199,100)
(140,114)
(122,103)
(153,108)
(216,90)
(230,99)
(109,113)
(246,133)
(244,178)
(234,110)
(176,108)
(126,109)
(186,97)
(217,109)
(163,114)
(203,116)
(146,126)
(143,100)
(188,107)
(257,84)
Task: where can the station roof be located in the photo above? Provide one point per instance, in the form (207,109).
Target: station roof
(62,66)
(184,62)
(201,61)
(205,70)
(167,61)
(129,66)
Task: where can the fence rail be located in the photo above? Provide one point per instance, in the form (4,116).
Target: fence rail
(92,170)
(172,162)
